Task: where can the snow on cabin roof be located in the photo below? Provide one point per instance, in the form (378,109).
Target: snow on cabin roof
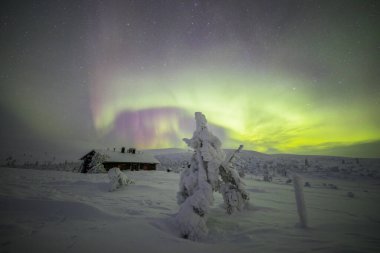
(117,156)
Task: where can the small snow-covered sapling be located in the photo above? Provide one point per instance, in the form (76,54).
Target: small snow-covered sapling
(118,179)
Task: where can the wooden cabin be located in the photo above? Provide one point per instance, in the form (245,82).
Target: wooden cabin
(130,160)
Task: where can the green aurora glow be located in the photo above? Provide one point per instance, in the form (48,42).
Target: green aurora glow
(267,112)
(278,77)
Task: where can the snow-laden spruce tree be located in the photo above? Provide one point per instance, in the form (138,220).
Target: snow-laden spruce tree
(209,171)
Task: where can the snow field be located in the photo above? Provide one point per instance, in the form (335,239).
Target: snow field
(54,211)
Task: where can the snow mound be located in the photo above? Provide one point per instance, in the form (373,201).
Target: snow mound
(118,179)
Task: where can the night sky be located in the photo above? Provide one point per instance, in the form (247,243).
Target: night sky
(277,76)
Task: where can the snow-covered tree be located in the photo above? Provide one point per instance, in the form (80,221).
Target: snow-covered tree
(209,171)
(96,164)
(99,168)
(118,179)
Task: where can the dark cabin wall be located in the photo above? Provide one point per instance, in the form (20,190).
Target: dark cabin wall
(129,166)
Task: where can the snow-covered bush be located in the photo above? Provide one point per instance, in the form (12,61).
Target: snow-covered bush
(234,200)
(202,177)
(232,189)
(94,163)
(99,168)
(118,179)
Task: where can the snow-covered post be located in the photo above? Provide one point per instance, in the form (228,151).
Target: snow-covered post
(201,178)
(300,200)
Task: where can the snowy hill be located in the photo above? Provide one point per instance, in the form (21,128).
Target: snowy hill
(259,163)
(251,162)
(57,211)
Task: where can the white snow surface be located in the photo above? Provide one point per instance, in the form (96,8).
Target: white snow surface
(58,211)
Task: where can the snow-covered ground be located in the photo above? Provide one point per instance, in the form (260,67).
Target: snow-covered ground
(59,211)
(251,162)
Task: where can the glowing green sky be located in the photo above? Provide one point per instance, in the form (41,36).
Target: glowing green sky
(265,111)
(279,77)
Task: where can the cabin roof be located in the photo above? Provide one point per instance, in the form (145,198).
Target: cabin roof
(118,157)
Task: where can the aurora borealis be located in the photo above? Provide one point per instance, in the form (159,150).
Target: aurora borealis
(277,76)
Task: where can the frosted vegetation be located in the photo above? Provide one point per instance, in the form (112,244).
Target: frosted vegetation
(118,179)
(208,171)
(96,164)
